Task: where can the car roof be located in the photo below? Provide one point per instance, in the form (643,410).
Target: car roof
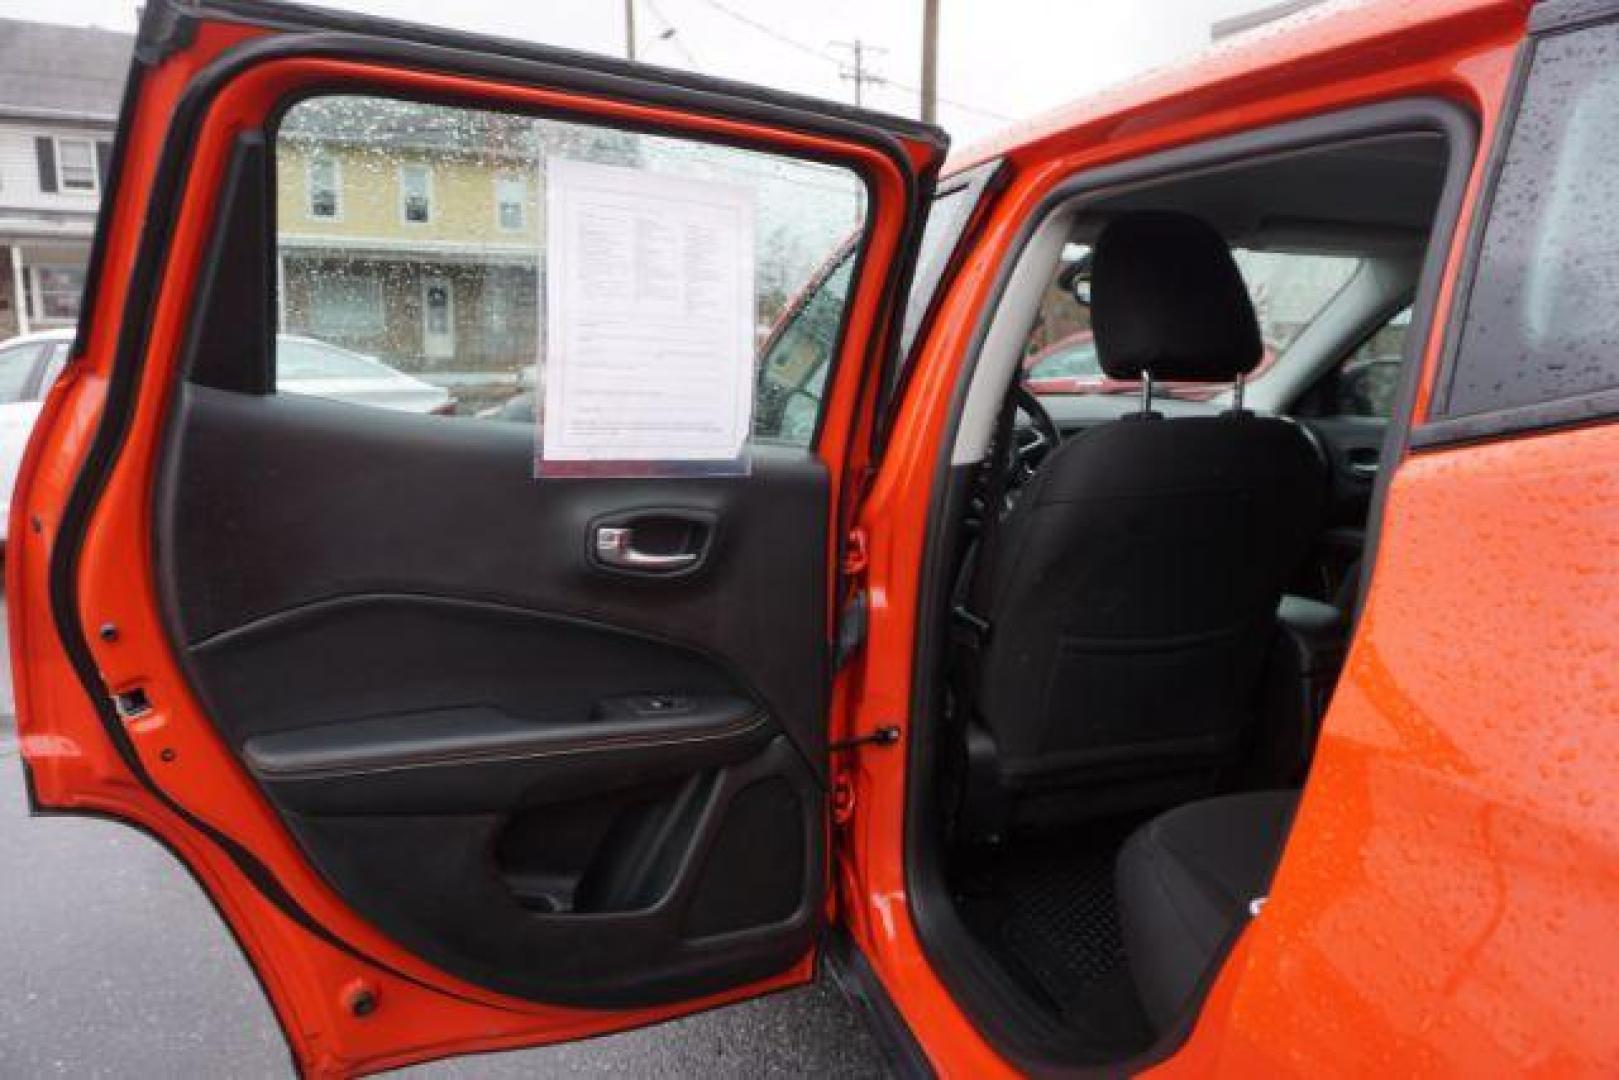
(1326,43)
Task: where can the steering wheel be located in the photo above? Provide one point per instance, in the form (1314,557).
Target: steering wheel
(1027,452)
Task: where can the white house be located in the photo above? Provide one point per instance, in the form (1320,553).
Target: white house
(59,93)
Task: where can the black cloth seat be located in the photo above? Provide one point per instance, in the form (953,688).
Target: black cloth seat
(1185,881)
(1130,594)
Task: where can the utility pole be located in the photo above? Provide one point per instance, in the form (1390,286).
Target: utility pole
(930,61)
(629,29)
(856,71)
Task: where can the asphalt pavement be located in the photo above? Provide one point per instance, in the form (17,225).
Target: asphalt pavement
(113,964)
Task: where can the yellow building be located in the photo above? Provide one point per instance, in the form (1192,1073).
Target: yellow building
(412,234)
(415,233)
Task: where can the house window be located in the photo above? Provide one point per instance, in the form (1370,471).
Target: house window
(416,193)
(346,306)
(511,199)
(323,188)
(76,164)
(56,293)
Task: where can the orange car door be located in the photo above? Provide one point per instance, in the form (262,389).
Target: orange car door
(468,755)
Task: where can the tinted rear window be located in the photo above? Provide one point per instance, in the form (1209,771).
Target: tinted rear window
(1542,322)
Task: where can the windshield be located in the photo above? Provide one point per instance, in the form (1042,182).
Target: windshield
(1289,289)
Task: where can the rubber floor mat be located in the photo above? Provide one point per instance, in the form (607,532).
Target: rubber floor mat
(1048,912)
(1063,924)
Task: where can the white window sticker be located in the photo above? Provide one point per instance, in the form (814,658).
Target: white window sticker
(649,324)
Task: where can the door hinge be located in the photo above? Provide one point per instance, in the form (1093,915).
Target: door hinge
(855,555)
(842,798)
(851,630)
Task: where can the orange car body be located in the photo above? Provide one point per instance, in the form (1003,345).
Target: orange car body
(1448,901)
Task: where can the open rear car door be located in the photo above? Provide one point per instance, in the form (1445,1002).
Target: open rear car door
(467,759)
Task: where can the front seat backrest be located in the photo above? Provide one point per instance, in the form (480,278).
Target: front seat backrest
(1131,592)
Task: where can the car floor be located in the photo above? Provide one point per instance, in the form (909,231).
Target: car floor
(1043,905)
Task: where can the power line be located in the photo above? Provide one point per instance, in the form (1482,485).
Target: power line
(672,35)
(856,70)
(809,50)
(962,105)
(768,30)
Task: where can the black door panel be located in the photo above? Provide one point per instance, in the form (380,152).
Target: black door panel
(638,895)
(274,503)
(402,654)
(542,771)
(472,759)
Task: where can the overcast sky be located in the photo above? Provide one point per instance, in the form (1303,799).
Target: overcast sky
(1000,60)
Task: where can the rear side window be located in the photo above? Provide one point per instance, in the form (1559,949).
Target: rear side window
(413,242)
(1542,321)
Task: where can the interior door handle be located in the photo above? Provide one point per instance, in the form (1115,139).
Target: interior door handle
(615,546)
(1363,463)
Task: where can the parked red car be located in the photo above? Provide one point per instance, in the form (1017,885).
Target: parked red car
(1071,366)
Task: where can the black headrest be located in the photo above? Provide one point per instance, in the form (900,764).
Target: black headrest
(1166,298)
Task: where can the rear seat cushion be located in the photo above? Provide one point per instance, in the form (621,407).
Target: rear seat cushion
(1185,880)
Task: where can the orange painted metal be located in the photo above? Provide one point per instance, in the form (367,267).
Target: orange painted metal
(412,1011)
(1447,901)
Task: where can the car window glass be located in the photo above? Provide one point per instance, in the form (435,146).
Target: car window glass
(947,217)
(54,363)
(1062,330)
(16,365)
(799,352)
(1368,380)
(1541,323)
(1288,289)
(1067,359)
(416,281)
(797,358)
(798,423)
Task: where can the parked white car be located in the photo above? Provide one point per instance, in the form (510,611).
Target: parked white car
(30,363)
(320,369)
(28,366)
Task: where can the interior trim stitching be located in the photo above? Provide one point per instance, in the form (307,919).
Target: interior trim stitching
(733,730)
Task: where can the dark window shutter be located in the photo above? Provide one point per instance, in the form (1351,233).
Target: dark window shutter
(103,162)
(46,149)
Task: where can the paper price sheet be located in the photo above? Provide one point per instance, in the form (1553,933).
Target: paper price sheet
(649,324)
